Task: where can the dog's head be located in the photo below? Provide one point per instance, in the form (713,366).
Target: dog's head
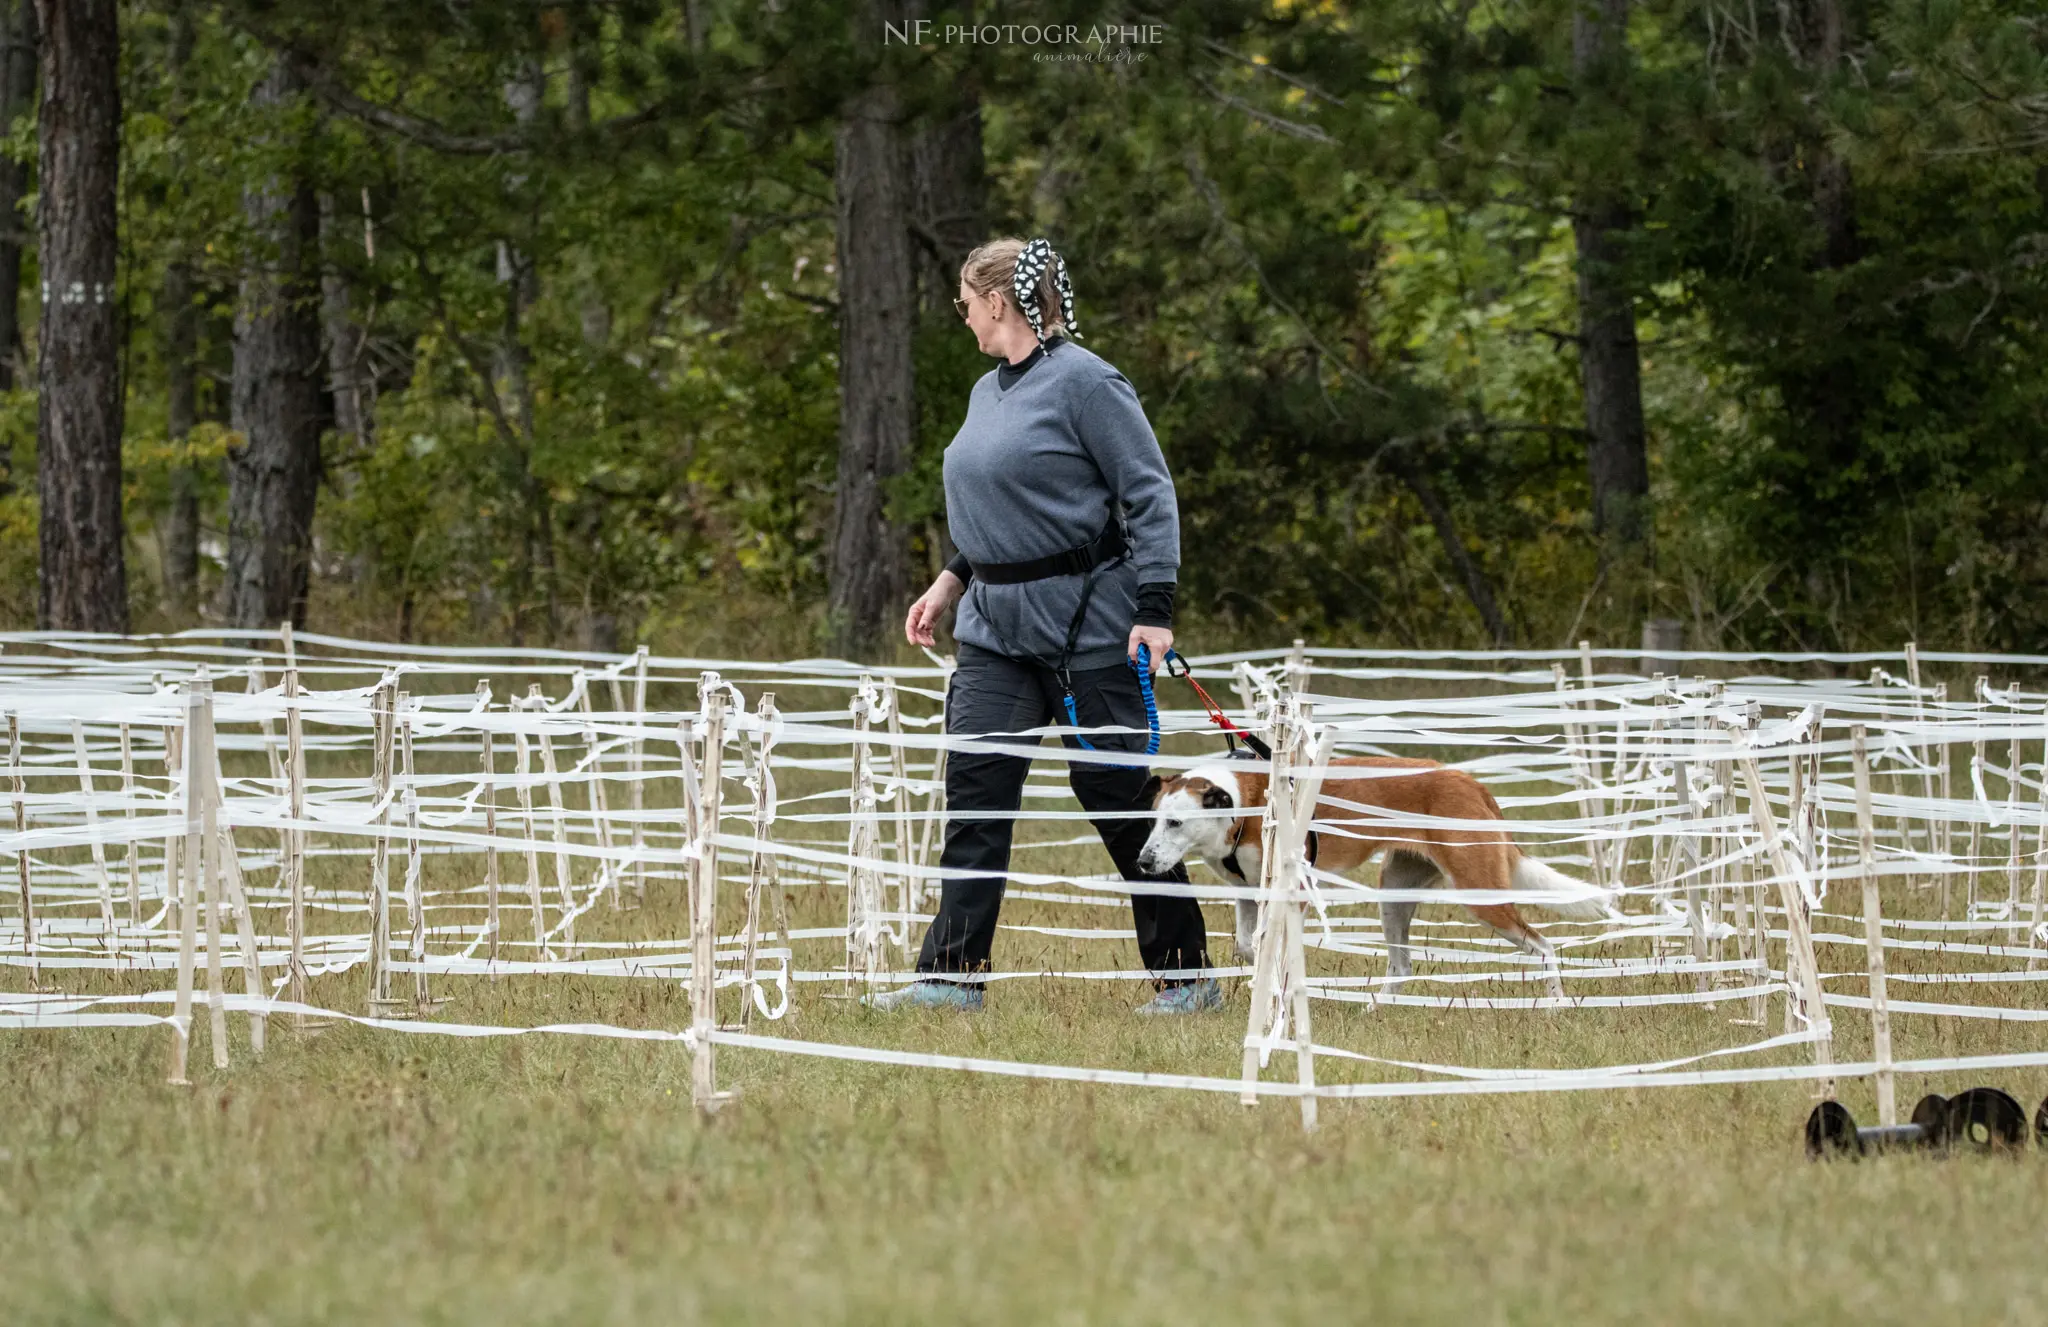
(1191,814)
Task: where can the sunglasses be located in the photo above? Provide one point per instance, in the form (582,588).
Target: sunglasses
(961,306)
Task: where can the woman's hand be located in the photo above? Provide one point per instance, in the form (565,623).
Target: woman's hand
(1157,640)
(930,607)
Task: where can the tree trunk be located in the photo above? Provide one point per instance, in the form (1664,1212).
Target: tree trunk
(178,527)
(273,477)
(877,390)
(1609,361)
(78,414)
(1827,398)
(180,541)
(17,98)
(354,416)
(514,388)
(1410,471)
(950,200)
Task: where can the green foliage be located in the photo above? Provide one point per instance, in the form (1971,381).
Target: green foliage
(1331,244)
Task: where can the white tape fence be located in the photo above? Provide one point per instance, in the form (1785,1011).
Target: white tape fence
(239,815)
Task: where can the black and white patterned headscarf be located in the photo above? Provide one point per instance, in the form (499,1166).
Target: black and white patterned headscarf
(1031,263)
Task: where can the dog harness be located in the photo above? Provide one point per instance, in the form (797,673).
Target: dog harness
(1229,862)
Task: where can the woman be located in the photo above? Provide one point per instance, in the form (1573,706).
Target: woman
(1060,503)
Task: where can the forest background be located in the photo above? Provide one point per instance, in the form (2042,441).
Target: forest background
(529,322)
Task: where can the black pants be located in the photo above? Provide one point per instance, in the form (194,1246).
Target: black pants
(993,695)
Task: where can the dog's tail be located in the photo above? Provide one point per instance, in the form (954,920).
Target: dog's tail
(1577,901)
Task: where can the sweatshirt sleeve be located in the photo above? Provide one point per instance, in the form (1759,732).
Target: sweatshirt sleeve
(1113,428)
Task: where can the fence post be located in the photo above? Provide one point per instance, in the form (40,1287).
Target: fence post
(2040,856)
(87,796)
(704,903)
(1801,966)
(609,873)
(1267,959)
(538,704)
(415,894)
(204,762)
(198,700)
(380,848)
(131,857)
(1946,829)
(1873,935)
(864,929)
(28,903)
(907,881)
(490,801)
(527,832)
(639,767)
(295,837)
(759,863)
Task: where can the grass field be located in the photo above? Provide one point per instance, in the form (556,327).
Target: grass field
(368,1175)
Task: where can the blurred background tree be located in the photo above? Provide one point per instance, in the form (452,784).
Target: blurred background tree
(614,320)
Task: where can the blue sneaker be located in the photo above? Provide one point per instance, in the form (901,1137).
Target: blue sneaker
(927,995)
(1192,997)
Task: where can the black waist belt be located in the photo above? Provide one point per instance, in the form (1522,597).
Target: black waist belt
(1075,561)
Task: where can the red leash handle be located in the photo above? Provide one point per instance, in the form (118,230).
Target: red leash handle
(1216,714)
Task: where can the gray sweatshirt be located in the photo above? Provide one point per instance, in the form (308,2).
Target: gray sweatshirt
(1037,469)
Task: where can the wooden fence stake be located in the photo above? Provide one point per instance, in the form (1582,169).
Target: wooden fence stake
(759,863)
(2012,820)
(87,797)
(1800,964)
(380,848)
(704,903)
(295,839)
(1268,961)
(490,801)
(638,803)
(608,869)
(1925,757)
(237,898)
(908,881)
(28,902)
(1873,934)
(415,892)
(131,857)
(865,932)
(1279,975)
(200,743)
(934,811)
(198,699)
(1946,828)
(527,832)
(1574,744)
(2040,857)
(537,703)
(174,774)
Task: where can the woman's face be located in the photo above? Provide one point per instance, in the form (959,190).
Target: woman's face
(984,313)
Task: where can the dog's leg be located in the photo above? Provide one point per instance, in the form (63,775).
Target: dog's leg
(1504,921)
(1247,928)
(1403,870)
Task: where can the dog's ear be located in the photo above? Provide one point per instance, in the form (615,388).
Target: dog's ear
(1217,799)
(1149,794)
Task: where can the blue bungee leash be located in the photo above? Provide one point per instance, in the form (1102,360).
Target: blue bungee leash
(1143,665)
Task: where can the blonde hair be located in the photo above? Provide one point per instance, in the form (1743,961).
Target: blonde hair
(993,266)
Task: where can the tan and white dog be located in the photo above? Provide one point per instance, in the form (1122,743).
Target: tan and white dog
(1213,811)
